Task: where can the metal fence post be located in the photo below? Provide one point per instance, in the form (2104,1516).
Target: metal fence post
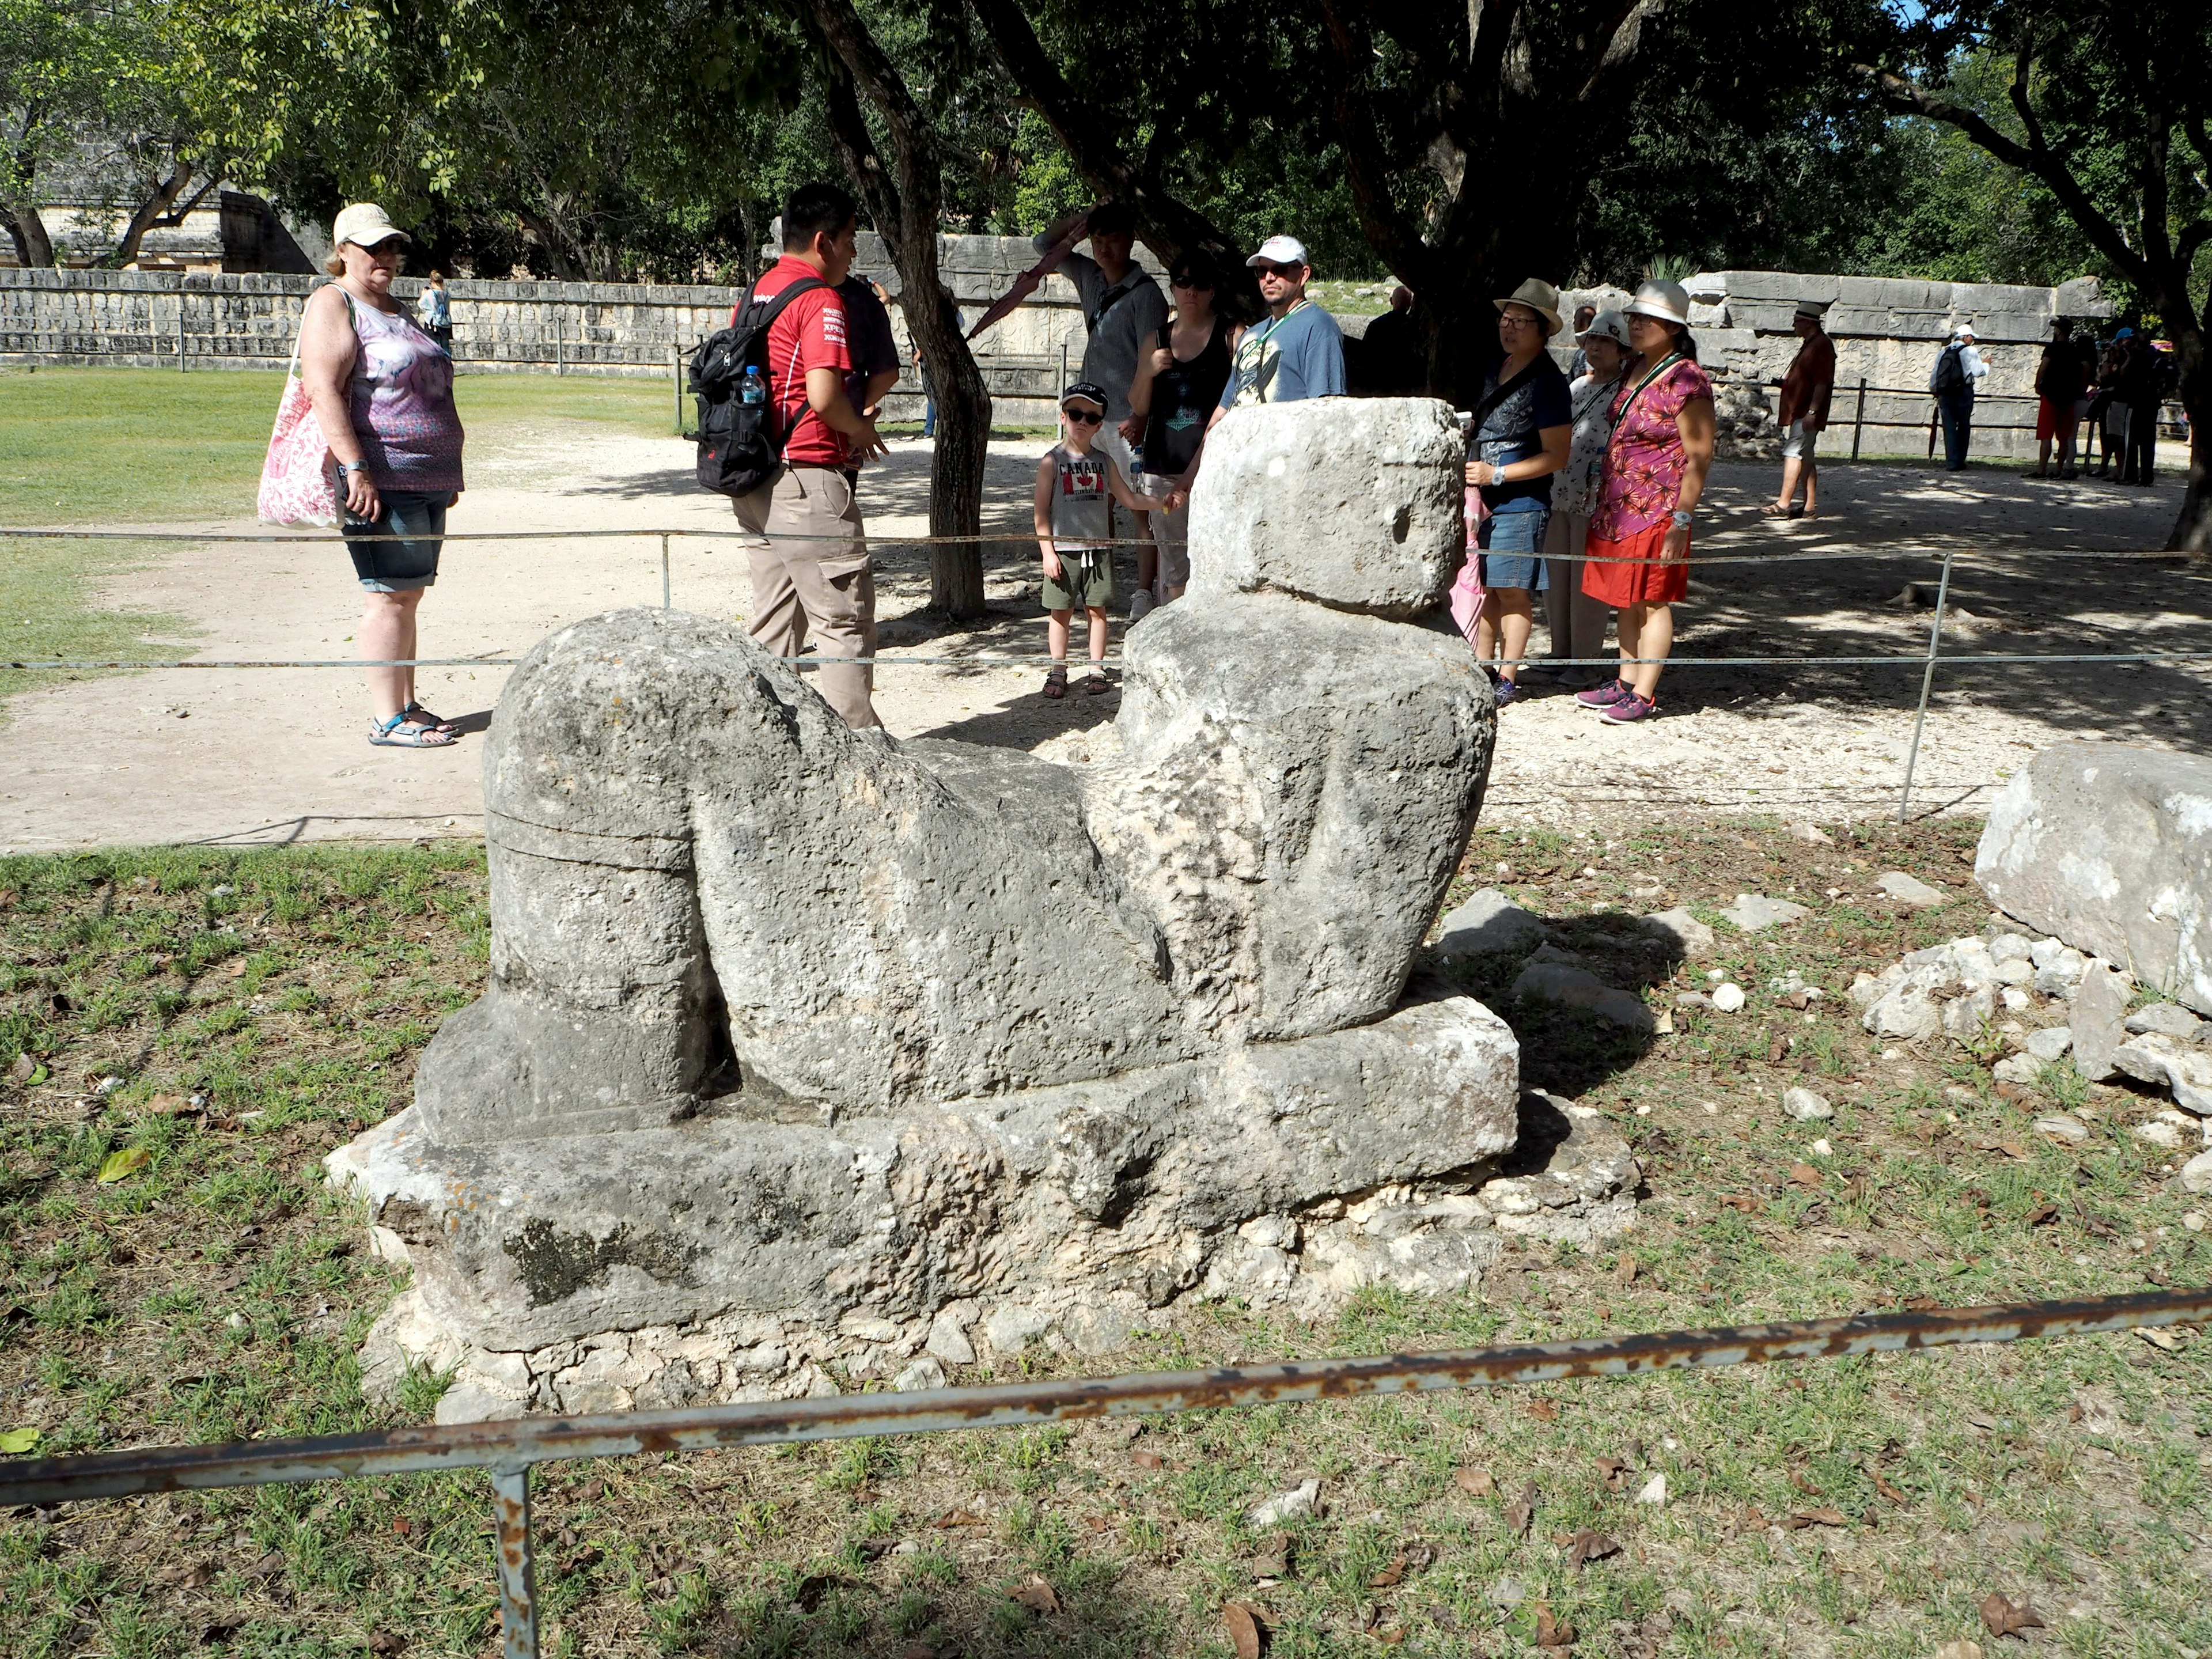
(180,328)
(1858,418)
(676,383)
(518,1570)
(559,367)
(663,570)
(1927,682)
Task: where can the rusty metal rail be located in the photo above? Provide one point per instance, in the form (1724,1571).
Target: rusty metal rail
(509,1449)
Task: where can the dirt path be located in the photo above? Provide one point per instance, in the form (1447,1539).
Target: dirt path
(278,753)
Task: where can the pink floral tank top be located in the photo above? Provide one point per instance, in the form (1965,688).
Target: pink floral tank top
(401,399)
(1645,460)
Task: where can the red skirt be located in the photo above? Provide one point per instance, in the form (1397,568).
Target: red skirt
(1618,585)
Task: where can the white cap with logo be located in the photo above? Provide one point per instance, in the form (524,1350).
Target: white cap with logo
(1280,250)
(365,225)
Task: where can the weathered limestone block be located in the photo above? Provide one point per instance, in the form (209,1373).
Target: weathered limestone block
(808,1053)
(2109,848)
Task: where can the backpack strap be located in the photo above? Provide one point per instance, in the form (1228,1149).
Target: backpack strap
(1114,296)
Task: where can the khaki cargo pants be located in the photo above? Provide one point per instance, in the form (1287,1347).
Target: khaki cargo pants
(811,572)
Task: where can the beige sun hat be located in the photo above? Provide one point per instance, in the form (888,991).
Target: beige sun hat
(1608,325)
(365,224)
(1539,296)
(1667,301)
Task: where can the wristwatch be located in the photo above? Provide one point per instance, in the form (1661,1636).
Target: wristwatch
(1681,519)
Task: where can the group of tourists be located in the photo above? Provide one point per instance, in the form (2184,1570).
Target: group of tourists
(1580,488)
(2115,386)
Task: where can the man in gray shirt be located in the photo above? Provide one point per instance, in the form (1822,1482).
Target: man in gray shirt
(1123,310)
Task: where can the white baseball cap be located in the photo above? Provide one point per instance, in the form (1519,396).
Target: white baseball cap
(1280,250)
(365,225)
(1608,325)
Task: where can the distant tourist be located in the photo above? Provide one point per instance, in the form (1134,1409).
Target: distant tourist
(1579,364)
(1077,484)
(1123,310)
(811,571)
(873,347)
(1577,620)
(1807,390)
(383,394)
(1178,385)
(2144,385)
(1518,437)
(438,310)
(2058,388)
(2108,415)
(1295,352)
(1655,475)
(1959,366)
(1394,353)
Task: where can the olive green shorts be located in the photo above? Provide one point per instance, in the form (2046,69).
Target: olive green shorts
(1084,584)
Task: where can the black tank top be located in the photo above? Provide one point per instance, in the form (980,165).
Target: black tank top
(1184,395)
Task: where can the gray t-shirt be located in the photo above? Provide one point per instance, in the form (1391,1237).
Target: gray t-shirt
(1082,500)
(1124,316)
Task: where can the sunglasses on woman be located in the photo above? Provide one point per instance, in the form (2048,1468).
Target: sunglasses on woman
(1083,417)
(1186,280)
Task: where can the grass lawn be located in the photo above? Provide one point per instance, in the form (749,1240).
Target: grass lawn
(109,447)
(254,1008)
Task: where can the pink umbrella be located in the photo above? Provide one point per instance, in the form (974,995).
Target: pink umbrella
(1026,283)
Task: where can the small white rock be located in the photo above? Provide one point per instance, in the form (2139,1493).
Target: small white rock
(1285,1506)
(1655,1490)
(2157,1135)
(2052,1042)
(919,1374)
(1910,891)
(2194,1221)
(1806,1106)
(1822,1149)
(1728,998)
(2197,1173)
(2071,1130)
(2026,1070)
(2015,999)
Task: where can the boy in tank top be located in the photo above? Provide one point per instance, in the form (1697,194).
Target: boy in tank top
(1075,484)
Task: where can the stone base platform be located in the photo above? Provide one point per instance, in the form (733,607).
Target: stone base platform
(736,1257)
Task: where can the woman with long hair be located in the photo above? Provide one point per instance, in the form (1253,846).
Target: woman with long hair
(1655,464)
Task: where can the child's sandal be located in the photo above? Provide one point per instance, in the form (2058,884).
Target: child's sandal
(1093,684)
(1055,683)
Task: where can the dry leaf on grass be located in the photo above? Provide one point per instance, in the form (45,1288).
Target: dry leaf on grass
(1611,1468)
(1959,1649)
(1624,1269)
(1550,1633)
(1390,1575)
(1884,1487)
(385,1643)
(1591,1546)
(1797,1479)
(1473,1481)
(959,1518)
(2003,1619)
(1804,1174)
(168,1105)
(917,1651)
(1543,1411)
(1274,1559)
(1035,1594)
(1822,1517)
(1147,1460)
(1246,1632)
(1518,1516)
(188,1575)
(1742,1201)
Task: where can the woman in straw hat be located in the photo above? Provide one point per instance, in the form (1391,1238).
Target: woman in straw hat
(1517,438)
(383,393)
(1655,471)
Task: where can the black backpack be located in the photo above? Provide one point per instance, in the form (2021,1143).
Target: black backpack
(739,449)
(1949,374)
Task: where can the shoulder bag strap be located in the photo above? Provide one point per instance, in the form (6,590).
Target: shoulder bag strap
(1499,393)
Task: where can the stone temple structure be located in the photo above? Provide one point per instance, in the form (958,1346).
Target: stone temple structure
(810,1056)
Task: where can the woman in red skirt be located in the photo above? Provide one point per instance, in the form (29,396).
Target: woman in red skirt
(1655,471)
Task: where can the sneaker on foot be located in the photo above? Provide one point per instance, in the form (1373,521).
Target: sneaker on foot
(1603,695)
(1141,603)
(1631,708)
(1506,692)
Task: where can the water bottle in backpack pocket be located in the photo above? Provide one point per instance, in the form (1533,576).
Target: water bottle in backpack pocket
(739,449)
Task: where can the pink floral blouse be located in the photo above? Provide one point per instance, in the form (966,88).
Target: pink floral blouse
(1644,463)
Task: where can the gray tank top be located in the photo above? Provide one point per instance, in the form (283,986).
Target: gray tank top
(1082,500)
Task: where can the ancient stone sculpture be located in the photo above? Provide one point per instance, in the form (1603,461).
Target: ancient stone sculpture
(805,1046)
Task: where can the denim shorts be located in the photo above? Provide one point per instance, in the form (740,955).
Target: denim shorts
(1510,542)
(400,567)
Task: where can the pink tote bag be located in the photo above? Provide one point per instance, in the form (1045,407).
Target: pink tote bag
(299,479)
(1467,587)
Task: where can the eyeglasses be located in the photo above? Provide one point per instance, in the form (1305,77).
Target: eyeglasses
(1288,273)
(1507,319)
(1083,417)
(1186,280)
(393,245)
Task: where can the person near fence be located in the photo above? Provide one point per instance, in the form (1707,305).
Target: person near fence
(811,567)
(1959,366)
(1655,464)
(1295,352)
(2144,385)
(1802,413)
(2057,400)
(382,391)
(1123,310)
(437,310)
(1077,482)
(1518,438)
(2108,416)
(1579,364)
(1178,384)
(873,347)
(1393,352)
(1576,619)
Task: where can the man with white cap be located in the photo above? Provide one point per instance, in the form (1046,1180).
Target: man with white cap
(1958,365)
(1802,413)
(1295,352)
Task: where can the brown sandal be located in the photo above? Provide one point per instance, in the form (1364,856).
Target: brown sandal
(1093,684)
(1055,683)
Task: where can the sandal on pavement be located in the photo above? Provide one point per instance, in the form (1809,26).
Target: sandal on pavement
(1055,683)
(1774,510)
(1094,685)
(416,715)
(400,732)
(1798,512)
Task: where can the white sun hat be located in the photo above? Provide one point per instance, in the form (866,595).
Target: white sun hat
(1669,301)
(365,224)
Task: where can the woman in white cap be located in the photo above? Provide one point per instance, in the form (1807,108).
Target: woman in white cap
(1516,440)
(1655,471)
(383,394)
(1577,620)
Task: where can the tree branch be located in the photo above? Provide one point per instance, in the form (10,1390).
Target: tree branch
(1388,229)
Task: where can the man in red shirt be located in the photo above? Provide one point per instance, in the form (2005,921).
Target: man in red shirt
(811,568)
(1803,414)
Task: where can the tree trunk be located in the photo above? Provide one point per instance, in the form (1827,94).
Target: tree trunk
(160,212)
(2193,528)
(906,212)
(34,249)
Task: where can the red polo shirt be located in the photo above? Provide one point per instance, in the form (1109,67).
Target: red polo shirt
(809,334)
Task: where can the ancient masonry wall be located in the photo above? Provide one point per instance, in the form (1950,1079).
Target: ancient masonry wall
(1886,331)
